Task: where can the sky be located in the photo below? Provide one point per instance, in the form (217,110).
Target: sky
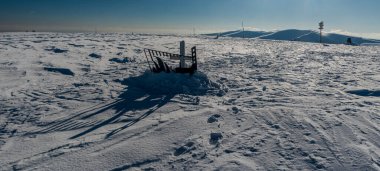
(358,17)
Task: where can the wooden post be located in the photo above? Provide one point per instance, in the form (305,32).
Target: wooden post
(182,63)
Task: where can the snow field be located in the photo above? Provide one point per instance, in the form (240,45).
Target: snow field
(84,101)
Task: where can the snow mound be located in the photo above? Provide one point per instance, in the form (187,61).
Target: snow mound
(173,83)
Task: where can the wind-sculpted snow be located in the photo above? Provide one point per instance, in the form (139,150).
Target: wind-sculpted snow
(253,104)
(172,83)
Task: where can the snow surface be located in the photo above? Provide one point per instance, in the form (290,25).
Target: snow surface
(86,102)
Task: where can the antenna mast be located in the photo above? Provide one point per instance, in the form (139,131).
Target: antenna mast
(321,25)
(242,26)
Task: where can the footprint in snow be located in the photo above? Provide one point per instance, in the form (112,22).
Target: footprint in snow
(235,110)
(184,149)
(215,137)
(213,118)
(94,55)
(57,50)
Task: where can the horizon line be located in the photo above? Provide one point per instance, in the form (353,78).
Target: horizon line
(375,36)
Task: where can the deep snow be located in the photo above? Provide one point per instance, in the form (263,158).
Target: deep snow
(253,105)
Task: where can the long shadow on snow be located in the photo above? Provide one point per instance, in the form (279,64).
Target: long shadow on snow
(155,90)
(146,92)
(129,102)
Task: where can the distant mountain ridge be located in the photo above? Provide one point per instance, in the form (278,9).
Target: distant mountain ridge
(296,35)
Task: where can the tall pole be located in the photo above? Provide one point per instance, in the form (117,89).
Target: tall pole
(242,26)
(182,63)
(321,25)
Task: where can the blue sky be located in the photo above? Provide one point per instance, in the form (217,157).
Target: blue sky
(359,17)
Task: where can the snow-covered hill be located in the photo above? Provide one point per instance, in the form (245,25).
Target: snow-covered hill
(286,34)
(85,102)
(241,34)
(297,35)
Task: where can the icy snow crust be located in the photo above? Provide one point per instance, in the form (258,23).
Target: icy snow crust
(254,105)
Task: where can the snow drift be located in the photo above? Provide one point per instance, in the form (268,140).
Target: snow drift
(174,83)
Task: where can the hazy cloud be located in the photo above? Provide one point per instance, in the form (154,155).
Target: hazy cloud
(365,35)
